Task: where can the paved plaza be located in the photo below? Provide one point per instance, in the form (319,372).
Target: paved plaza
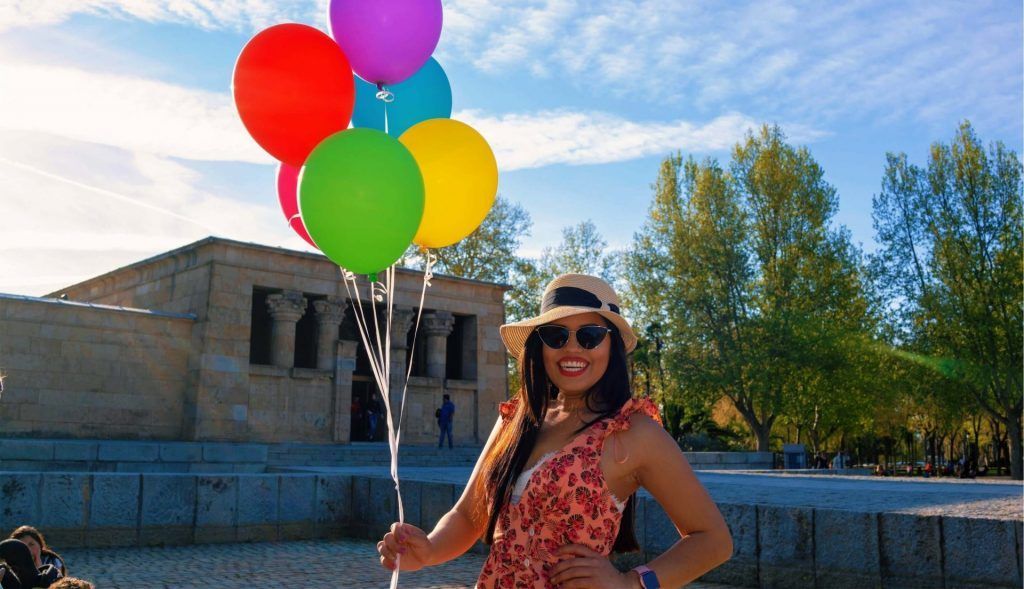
(267,565)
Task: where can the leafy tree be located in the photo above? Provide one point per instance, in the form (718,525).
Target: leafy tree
(950,260)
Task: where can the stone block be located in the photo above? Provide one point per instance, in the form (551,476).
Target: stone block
(129,452)
(786,541)
(256,533)
(181,452)
(296,498)
(741,569)
(333,504)
(166,535)
(19,499)
(65,538)
(659,531)
(77,451)
(168,500)
(846,549)
(257,503)
(216,501)
(26,450)
(910,550)
(111,537)
(436,499)
(64,501)
(225,452)
(411,503)
(383,505)
(115,502)
(214,535)
(295,531)
(990,562)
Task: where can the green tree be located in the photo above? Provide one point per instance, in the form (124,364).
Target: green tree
(950,260)
(759,295)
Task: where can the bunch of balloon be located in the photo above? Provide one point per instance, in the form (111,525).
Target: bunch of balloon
(404,173)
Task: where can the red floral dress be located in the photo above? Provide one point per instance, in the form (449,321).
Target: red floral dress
(566,501)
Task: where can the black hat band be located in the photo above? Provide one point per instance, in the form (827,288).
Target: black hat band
(571,296)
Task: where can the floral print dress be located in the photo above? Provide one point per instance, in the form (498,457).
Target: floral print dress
(565,501)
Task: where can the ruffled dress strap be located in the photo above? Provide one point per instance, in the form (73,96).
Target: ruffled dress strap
(642,405)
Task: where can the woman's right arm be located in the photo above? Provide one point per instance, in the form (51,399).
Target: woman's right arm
(455,532)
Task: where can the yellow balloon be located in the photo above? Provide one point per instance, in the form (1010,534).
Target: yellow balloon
(460,179)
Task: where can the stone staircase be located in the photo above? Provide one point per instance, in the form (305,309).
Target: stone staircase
(367,454)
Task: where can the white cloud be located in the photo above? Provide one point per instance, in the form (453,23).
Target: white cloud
(129,112)
(73,210)
(207,14)
(567,137)
(807,61)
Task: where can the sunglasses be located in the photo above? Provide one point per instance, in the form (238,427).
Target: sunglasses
(556,336)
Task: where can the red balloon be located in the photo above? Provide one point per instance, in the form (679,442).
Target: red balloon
(288,196)
(293,87)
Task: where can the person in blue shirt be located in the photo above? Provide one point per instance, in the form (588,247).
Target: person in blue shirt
(444,421)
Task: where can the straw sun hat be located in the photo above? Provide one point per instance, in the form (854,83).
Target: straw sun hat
(570,294)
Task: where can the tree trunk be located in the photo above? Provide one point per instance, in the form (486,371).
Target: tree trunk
(1013,430)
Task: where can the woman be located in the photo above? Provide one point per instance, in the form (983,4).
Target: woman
(545,494)
(42,555)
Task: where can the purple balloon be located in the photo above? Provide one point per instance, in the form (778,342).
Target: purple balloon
(386,41)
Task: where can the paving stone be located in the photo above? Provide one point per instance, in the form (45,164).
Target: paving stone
(333,504)
(741,568)
(295,501)
(234,453)
(181,452)
(786,538)
(910,550)
(168,500)
(990,562)
(257,503)
(115,501)
(216,500)
(337,563)
(64,501)
(19,499)
(128,452)
(846,549)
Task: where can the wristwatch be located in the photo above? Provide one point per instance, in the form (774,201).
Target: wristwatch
(647,577)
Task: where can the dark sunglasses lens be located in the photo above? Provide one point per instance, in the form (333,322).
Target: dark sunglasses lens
(553,336)
(590,336)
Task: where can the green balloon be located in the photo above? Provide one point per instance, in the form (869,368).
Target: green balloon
(361,199)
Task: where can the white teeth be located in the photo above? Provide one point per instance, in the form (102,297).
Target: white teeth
(573,365)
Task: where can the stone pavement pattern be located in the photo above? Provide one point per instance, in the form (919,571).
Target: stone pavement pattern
(267,565)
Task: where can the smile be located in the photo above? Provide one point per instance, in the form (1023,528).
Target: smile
(572,366)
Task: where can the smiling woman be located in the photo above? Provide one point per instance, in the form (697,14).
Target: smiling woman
(544,493)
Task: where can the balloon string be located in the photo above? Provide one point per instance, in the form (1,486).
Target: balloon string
(386,96)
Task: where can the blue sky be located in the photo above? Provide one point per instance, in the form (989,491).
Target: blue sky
(119,140)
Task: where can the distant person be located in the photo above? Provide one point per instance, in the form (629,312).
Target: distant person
(838,461)
(42,555)
(444,421)
(928,470)
(373,413)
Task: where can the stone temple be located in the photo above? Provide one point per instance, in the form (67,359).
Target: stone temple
(227,341)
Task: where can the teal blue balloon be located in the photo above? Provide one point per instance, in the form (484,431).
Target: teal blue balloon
(424,95)
(361,199)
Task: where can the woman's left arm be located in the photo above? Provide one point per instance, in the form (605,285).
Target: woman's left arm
(663,470)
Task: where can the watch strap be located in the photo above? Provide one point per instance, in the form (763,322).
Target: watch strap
(648,579)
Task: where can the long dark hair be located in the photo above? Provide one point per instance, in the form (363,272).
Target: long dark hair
(507,457)
(44,550)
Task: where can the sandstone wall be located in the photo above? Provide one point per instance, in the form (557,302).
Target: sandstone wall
(91,371)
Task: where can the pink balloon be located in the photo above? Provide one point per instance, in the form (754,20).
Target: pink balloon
(288,196)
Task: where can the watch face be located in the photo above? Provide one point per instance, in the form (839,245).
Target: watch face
(650,580)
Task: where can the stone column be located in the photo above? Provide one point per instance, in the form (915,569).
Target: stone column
(344,366)
(286,309)
(401,322)
(329,314)
(437,326)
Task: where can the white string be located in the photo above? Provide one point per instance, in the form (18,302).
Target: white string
(380,363)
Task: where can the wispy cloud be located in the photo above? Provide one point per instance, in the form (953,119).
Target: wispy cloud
(569,137)
(133,113)
(73,210)
(207,14)
(868,59)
